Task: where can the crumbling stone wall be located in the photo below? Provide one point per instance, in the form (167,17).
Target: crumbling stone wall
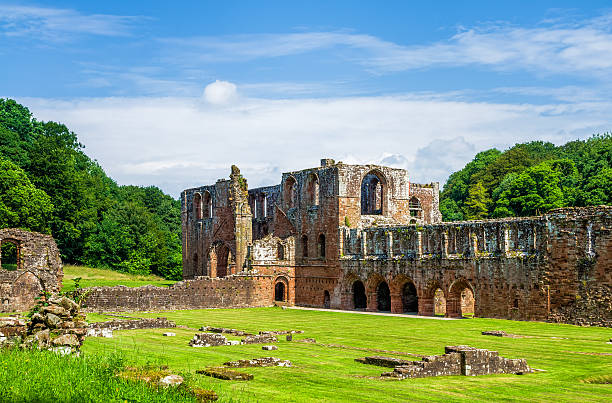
(39,268)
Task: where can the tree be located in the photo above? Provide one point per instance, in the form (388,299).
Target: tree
(477,202)
(21,204)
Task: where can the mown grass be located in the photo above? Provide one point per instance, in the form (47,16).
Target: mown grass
(43,376)
(329,373)
(93,277)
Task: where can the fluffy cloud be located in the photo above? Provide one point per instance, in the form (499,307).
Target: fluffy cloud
(220,92)
(177,143)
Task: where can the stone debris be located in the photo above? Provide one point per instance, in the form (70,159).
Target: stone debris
(498,333)
(12,326)
(225,374)
(171,380)
(224,330)
(259,362)
(307,340)
(380,361)
(259,338)
(233,342)
(269,348)
(208,340)
(169,334)
(289,337)
(280,332)
(460,360)
(131,324)
(95,332)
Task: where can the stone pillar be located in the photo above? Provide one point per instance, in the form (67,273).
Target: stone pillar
(533,244)
(473,244)
(426,306)
(419,245)
(453,305)
(364,244)
(505,241)
(397,305)
(444,245)
(341,241)
(389,240)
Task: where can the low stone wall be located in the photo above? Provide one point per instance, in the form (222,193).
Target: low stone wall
(128,324)
(592,307)
(460,360)
(236,291)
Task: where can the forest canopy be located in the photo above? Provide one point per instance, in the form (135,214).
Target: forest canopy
(530,179)
(48,184)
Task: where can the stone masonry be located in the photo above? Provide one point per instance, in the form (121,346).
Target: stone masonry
(39,268)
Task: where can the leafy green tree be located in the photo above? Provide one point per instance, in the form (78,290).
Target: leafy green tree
(21,204)
(598,189)
(477,202)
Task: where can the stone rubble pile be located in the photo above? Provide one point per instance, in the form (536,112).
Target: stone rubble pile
(280,332)
(259,362)
(389,362)
(259,339)
(56,324)
(224,330)
(208,340)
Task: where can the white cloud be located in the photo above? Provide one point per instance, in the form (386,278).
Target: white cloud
(178,143)
(45,23)
(220,92)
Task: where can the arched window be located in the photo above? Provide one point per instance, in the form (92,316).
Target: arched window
(207,204)
(9,255)
(304,246)
(321,245)
(312,190)
(415,207)
(197,206)
(263,202)
(372,194)
(290,192)
(280,251)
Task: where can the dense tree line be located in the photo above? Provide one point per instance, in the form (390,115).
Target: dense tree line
(530,179)
(48,184)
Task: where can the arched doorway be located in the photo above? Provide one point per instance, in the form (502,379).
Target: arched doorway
(461,300)
(372,193)
(279,292)
(439,302)
(410,301)
(218,260)
(383,297)
(360,301)
(326,300)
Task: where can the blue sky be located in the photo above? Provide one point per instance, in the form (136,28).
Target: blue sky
(173,94)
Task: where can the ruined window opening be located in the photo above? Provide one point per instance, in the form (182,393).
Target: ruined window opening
(304,246)
(312,190)
(279,292)
(207,204)
(9,255)
(197,206)
(360,300)
(372,195)
(196,265)
(255,208)
(326,300)
(414,205)
(264,205)
(290,193)
(280,251)
(439,302)
(383,297)
(223,260)
(321,245)
(410,301)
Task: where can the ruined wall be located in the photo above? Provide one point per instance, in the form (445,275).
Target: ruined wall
(39,267)
(236,291)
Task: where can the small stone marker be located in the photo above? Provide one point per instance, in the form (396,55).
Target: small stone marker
(169,334)
(289,337)
(233,342)
(269,348)
(171,380)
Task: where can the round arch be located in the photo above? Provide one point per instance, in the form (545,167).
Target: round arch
(373,193)
(312,195)
(281,289)
(461,299)
(290,192)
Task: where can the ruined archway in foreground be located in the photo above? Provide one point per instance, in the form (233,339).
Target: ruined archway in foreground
(383,297)
(460,300)
(410,300)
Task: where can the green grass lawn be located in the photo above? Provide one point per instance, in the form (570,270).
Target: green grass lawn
(92,277)
(567,354)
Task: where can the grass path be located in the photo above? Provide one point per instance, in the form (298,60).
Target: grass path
(326,371)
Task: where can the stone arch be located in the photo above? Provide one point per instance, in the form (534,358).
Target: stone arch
(360,299)
(326,300)
(383,297)
(10,254)
(433,300)
(415,207)
(404,296)
(460,300)
(219,260)
(312,190)
(374,292)
(290,192)
(373,193)
(206,204)
(197,206)
(321,245)
(281,289)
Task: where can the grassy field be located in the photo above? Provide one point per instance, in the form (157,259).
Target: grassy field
(326,371)
(92,277)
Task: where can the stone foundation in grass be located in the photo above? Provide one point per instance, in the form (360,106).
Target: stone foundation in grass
(259,362)
(225,374)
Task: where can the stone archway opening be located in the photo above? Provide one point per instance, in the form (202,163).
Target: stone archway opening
(9,255)
(360,300)
(461,300)
(219,259)
(280,292)
(326,300)
(410,300)
(373,193)
(383,297)
(439,301)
